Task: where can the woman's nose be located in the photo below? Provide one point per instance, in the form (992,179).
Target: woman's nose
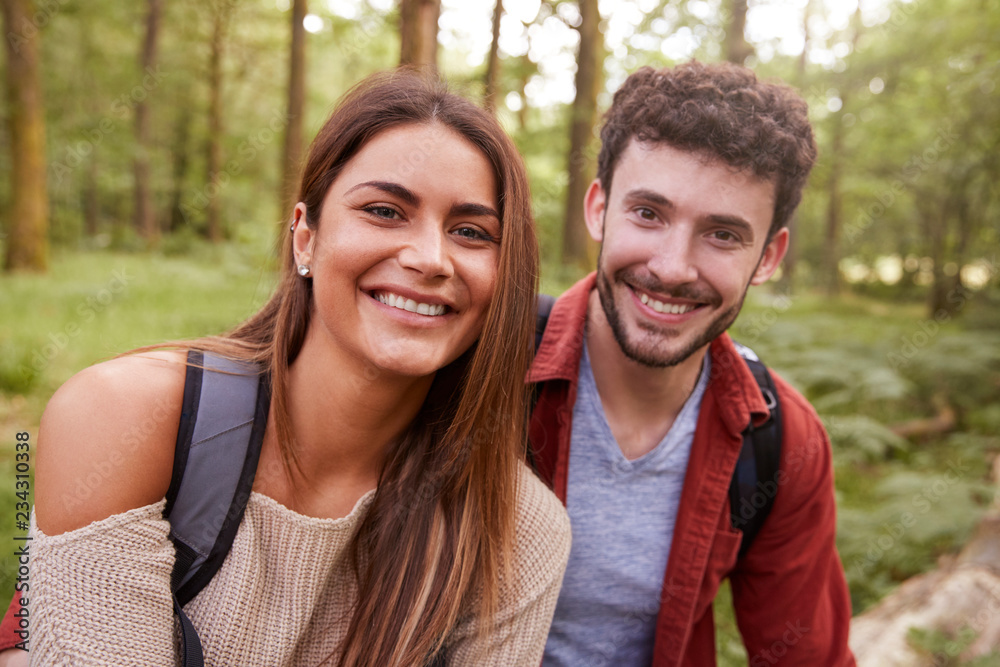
(427,252)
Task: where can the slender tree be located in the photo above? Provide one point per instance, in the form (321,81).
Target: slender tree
(787,282)
(837,157)
(736,45)
(145,217)
(292,154)
(577,247)
(418,28)
(181,164)
(493,61)
(220,23)
(27,227)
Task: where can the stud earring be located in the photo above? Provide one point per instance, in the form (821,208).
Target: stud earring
(304,270)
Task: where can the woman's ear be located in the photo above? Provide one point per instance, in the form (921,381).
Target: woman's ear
(303,237)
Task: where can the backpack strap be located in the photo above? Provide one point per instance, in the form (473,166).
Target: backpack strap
(754,484)
(544,303)
(223,417)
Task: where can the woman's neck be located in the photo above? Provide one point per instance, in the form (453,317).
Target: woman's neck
(345,413)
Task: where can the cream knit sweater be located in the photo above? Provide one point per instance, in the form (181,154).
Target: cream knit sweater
(100,595)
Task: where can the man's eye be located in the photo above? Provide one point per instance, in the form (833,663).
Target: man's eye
(646,213)
(382,211)
(726,236)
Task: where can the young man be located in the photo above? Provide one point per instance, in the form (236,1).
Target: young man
(643,397)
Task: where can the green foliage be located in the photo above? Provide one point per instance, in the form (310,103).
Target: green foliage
(901,503)
(945,649)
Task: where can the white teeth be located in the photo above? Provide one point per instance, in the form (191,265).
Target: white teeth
(660,307)
(409,305)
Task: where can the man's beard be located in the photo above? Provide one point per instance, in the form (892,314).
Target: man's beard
(651,354)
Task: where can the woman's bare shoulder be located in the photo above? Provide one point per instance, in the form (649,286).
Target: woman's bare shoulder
(106,441)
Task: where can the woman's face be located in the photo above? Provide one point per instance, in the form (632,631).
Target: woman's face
(404,259)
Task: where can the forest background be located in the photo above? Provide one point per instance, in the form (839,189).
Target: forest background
(148,150)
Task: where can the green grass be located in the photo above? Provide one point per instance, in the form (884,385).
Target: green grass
(94,305)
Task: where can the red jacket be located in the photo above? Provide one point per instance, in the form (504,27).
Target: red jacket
(791,599)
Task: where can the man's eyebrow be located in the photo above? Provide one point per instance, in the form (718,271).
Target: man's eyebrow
(471,209)
(391,188)
(648,196)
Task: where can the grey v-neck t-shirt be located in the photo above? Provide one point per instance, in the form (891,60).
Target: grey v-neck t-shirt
(622,514)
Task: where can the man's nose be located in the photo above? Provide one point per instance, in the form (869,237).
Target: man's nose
(673,259)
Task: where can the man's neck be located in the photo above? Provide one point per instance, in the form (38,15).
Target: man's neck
(639,401)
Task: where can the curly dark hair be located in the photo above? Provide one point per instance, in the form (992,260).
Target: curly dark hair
(722,111)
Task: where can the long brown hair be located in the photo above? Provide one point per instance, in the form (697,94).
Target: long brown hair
(439,532)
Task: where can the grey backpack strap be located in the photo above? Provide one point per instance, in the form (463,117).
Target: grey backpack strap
(218,446)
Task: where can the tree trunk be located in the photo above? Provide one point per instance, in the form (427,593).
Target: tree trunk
(577,247)
(296,108)
(182,160)
(526,67)
(935,230)
(831,251)
(493,61)
(145,217)
(418,28)
(220,19)
(28,220)
(786,284)
(91,204)
(737,48)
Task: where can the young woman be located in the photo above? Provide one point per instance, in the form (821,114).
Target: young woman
(392,520)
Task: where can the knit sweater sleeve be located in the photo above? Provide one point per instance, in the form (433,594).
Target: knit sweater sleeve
(100,595)
(519,629)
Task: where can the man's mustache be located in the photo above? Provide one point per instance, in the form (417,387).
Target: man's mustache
(689,292)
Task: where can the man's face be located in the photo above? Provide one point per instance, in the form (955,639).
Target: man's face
(682,238)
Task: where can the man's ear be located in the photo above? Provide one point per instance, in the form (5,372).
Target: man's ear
(594,203)
(303,237)
(774,252)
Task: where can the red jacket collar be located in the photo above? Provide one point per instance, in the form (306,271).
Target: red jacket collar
(558,358)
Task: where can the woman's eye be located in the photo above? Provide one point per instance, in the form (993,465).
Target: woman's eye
(473,234)
(382,212)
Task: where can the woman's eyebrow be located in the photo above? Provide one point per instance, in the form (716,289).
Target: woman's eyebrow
(391,188)
(471,209)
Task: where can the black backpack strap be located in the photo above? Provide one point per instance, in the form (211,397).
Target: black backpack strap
(223,417)
(754,485)
(544,303)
